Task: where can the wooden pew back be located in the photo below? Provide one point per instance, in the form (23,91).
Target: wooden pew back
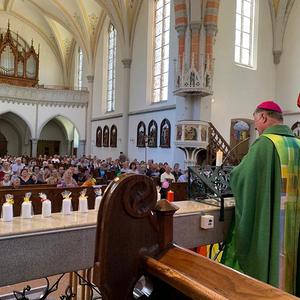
(134,238)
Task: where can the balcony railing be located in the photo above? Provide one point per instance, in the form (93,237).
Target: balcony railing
(46,95)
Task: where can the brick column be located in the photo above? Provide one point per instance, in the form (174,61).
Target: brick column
(195,28)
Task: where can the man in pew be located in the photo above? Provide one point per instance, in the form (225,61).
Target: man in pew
(264,243)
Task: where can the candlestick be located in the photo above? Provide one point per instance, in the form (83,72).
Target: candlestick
(219,158)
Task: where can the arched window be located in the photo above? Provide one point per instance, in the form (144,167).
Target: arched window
(111,68)
(79,68)
(244,32)
(161,50)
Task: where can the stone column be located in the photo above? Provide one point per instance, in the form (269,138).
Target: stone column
(125,106)
(88,125)
(81,148)
(34,143)
(69,148)
(195,44)
(181,45)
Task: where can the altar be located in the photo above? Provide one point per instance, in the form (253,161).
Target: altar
(41,247)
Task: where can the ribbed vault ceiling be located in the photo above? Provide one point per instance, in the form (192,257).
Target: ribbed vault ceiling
(62,23)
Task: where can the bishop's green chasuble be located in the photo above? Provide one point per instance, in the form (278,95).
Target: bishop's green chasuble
(264,238)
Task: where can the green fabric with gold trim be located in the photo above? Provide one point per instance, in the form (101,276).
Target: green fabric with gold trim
(254,243)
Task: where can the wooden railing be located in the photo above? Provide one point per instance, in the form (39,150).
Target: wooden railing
(217,142)
(135,238)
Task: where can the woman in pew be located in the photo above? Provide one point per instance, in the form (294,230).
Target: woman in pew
(67,180)
(25,177)
(6,180)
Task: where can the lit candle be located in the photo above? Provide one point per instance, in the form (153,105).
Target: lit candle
(7,212)
(26,210)
(83,204)
(66,206)
(219,158)
(170,196)
(46,208)
(98,202)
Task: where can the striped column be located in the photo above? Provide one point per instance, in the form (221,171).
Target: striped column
(211,26)
(180,26)
(195,47)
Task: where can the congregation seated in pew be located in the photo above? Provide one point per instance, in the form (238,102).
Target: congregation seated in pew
(66,172)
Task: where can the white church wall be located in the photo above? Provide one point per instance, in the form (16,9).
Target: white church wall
(237,90)
(26,112)
(12,137)
(157,154)
(75,115)
(288,70)
(105,152)
(98,92)
(54,132)
(141,67)
(50,72)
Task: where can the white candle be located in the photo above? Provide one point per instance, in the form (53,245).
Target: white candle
(26,210)
(66,206)
(97,202)
(158,196)
(46,208)
(83,205)
(7,212)
(219,158)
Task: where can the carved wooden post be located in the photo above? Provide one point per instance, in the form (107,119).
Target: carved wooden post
(164,211)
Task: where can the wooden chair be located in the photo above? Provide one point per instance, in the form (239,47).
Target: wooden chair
(135,238)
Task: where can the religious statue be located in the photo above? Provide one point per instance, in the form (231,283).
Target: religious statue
(179,132)
(203,134)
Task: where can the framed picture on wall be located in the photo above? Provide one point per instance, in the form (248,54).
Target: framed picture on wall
(165,134)
(99,137)
(141,135)
(113,136)
(105,136)
(152,134)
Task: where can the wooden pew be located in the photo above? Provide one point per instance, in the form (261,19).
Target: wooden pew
(53,193)
(134,239)
(180,190)
(27,186)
